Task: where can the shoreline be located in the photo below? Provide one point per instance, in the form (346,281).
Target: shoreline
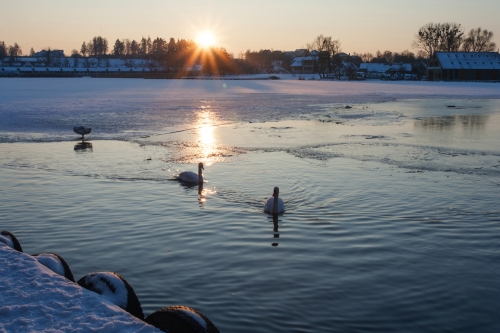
(36,298)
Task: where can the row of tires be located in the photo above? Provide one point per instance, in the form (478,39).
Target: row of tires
(116,289)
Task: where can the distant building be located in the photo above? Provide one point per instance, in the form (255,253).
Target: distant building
(309,65)
(378,70)
(464,66)
(345,70)
(300,52)
(53,53)
(303,65)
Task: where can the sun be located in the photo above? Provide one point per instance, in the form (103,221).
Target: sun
(205,39)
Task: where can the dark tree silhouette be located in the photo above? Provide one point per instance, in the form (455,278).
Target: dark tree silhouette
(84,49)
(118,48)
(428,38)
(134,48)
(478,40)
(98,46)
(15,51)
(3,50)
(432,37)
(451,37)
(327,49)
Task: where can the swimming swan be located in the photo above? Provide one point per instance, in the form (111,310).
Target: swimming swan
(274,204)
(191,177)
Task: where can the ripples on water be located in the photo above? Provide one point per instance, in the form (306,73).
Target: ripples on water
(362,246)
(388,228)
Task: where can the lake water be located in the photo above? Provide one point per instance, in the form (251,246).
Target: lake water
(392,219)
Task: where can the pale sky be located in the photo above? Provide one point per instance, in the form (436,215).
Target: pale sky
(360,25)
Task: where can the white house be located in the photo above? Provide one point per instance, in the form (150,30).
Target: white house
(303,65)
(377,70)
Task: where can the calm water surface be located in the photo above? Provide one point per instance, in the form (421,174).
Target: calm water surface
(392,221)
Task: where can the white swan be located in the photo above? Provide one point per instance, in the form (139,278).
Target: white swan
(274,204)
(191,177)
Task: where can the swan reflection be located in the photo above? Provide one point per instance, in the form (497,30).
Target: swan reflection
(202,192)
(202,198)
(83,145)
(275,228)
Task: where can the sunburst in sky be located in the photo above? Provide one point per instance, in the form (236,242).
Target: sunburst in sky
(205,39)
(361,26)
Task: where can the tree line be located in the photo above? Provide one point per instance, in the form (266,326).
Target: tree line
(171,56)
(174,55)
(10,51)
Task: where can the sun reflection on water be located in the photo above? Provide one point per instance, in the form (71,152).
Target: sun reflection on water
(205,123)
(201,142)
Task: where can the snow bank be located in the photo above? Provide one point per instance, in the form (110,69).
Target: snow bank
(35,299)
(7,240)
(50,261)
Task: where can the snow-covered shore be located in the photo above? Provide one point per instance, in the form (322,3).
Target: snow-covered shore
(35,299)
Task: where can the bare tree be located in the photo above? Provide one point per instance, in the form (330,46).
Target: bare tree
(158,48)
(134,48)
(3,50)
(315,49)
(421,54)
(14,52)
(149,45)
(119,48)
(326,48)
(84,49)
(388,56)
(428,38)
(97,46)
(451,37)
(365,57)
(126,42)
(143,47)
(432,37)
(101,45)
(479,40)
